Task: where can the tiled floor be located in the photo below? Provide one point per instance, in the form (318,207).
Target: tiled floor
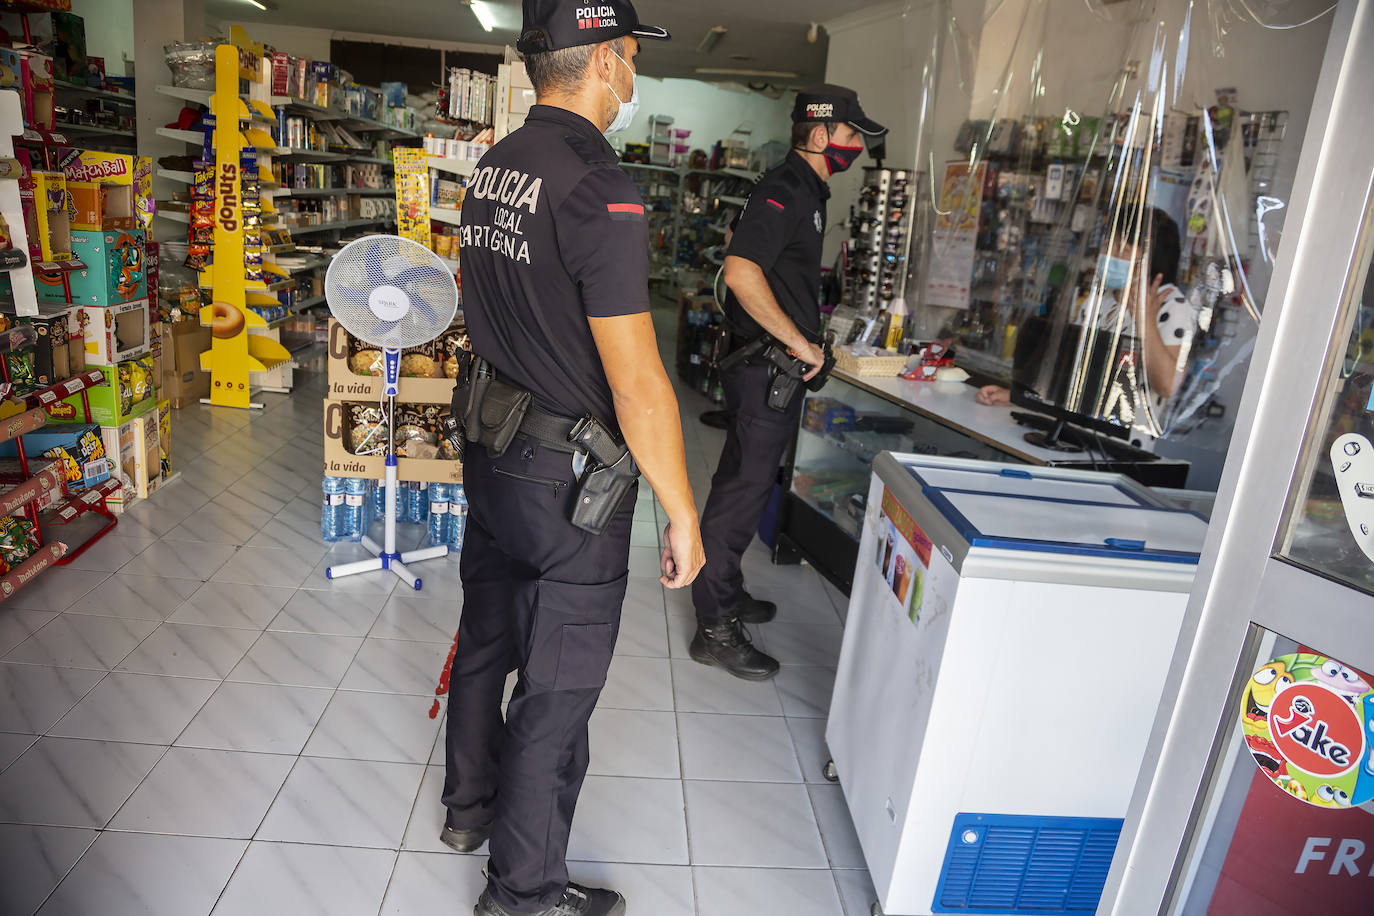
(194,720)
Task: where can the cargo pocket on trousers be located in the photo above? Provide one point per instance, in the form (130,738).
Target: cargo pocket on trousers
(574,632)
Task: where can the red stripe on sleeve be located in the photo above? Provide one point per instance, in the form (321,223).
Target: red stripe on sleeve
(626,208)
(776,204)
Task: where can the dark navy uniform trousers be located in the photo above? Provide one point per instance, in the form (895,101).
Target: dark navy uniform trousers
(543,597)
(755,443)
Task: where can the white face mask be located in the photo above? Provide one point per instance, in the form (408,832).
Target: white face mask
(629,109)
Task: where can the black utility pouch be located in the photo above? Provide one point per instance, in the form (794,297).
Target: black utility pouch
(494,409)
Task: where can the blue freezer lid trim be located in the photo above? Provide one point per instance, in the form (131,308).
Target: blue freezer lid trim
(1122,549)
(1007,863)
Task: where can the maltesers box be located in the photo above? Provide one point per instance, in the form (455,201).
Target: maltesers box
(115,270)
(115,333)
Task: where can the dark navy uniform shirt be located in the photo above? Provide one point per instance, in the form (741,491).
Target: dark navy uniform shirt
(781,230)
(553,233)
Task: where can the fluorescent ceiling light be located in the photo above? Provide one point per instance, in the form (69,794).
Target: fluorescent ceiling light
(728,71)
(482,12)
(267,6)
(711,39)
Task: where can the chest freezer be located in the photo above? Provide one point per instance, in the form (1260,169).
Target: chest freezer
(1008,638)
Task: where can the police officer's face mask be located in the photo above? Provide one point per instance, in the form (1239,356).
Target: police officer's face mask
(838,158)
(629,109)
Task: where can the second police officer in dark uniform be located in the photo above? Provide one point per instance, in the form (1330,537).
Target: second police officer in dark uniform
(773,272)
(554,245)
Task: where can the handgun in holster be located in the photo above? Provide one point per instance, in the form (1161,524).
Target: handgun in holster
(608,479)
(787,372)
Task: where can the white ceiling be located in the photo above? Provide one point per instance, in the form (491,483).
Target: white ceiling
(772,34)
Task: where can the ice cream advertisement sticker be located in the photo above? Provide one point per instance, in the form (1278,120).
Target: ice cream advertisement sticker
(1308,721)
(903,556)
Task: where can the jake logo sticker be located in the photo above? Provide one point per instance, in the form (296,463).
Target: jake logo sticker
(1308,721)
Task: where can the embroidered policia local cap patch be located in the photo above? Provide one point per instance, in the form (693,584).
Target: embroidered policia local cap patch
(551,25)
(834,104)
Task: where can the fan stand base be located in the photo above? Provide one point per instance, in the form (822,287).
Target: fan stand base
(396,562)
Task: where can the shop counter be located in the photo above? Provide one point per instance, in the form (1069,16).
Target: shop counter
(846,425)
(1008,638)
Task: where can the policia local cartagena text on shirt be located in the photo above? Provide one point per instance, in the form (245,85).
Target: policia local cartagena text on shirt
(555,279)
(773,272)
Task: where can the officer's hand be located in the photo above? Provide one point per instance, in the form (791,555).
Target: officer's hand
(814,357)
(683,555)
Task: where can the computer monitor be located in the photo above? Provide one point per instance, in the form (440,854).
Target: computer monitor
(1071,376)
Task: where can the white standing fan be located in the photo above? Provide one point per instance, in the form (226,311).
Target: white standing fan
(391,293)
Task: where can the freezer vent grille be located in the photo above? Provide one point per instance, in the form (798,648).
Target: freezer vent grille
(1020,864)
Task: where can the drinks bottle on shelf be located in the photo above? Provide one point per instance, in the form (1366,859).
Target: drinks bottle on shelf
(331,510)
(438,513)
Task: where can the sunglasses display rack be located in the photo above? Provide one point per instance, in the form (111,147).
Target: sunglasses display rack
(880,237)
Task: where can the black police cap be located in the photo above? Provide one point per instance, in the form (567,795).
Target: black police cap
(551,25)
(836,104)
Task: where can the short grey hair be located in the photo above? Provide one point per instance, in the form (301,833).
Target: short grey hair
(565,69)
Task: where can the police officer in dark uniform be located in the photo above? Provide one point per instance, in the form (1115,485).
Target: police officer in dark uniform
(554,245)
(773,272)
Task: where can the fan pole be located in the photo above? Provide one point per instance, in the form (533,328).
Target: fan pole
(386,556)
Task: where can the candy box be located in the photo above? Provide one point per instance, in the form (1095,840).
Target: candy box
(40,110)
(116,269)
(825,415)
(52,353)
(115,333)
(107,189)
(135,450)
(80,448)
(52,224)
(128,392)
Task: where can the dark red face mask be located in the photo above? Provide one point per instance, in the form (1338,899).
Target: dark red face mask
(840,158)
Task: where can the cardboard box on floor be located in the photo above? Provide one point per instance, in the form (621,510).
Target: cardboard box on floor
(346,385)
(183,382)
(339,462)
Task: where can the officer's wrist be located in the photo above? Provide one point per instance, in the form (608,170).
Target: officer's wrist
(683,515)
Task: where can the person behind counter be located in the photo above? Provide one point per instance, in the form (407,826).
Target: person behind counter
(1170,321)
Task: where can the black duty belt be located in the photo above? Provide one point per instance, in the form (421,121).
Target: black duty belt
(550,431)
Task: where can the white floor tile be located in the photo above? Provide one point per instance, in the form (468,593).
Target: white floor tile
(763,825)
(644,563)
(837,827)
(808,736)
(75,641)
(329,614)
(145,597)
(136,707)
(297,660)
(634,742)
(418,617)
(630,820)
(33,860)
(64,782)
(428,883)
(265,718)
(427,817)
(737,748)
(702,688)
(262,566)
(184,650)
(180,559)
(397,666)
(17,625)
(805,692)
(307,881)
(635,682)
(748,891)
(375,726)
(856,891)
(12,746)
(34,698)
(197,792)
(224,604)
(111,552)
(643,627)
(137,874)
(57,589)
(344,802)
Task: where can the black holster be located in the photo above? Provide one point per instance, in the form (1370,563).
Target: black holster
(610,475)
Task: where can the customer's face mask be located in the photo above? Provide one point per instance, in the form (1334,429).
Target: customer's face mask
(626,114)
(1114,272)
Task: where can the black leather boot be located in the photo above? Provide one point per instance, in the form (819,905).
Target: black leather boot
(577,901)
(465,840)
(752,610)
(723,642)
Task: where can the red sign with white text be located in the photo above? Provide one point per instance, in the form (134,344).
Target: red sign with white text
(1292,859)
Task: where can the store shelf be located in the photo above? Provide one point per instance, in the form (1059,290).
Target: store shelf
(302,268)
(194,137)
(311,230)
(375,160)
(279,249)
(177,175)
(47,478)
(316,154)
(123,98)
(93,129)
(84,501)
(456,166)
(375,221)
(733,201)
(175,216)
(198,96)
(446,215)
(313,192)
(310,109)
(34,419)
(371,192)
(91,378)
(651,168)
(308,303)
(368,124)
